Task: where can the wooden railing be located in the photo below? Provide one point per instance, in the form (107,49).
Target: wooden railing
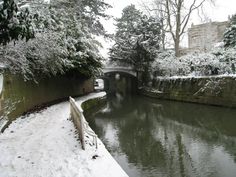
(81,124)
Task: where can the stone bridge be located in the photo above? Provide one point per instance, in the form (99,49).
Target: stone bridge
(119,69)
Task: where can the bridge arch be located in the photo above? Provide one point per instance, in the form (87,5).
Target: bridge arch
(120,80)
(129,71)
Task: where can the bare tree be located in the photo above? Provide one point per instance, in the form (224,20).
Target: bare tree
(175,16)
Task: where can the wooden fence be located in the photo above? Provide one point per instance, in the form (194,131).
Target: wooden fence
(81,124)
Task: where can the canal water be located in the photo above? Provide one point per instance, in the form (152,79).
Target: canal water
(152,138)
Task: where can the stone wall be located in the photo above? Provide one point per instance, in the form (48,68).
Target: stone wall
(218,91)
(19,96)
(204,36)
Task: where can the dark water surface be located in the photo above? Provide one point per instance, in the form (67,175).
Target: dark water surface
(151,138)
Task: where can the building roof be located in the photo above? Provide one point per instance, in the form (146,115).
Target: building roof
(209,23)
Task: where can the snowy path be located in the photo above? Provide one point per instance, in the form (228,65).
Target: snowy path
(44,144)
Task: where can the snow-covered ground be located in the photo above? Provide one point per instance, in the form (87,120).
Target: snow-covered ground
(44,144)
(193,76)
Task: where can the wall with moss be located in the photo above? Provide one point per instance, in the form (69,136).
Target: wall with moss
(93,105)
(220,91)
(19,96)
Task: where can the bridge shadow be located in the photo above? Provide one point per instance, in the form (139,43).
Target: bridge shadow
(120,82)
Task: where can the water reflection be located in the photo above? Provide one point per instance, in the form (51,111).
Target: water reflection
(161,138)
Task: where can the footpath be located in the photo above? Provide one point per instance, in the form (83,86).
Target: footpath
(45,144)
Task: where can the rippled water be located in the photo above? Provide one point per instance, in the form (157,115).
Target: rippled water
(150,137)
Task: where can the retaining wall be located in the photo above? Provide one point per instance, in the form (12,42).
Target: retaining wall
(19,96)
(219,91)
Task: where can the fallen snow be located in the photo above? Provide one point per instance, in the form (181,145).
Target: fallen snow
(44,144)
(192,76)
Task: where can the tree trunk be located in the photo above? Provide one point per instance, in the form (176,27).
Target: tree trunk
(178,28)
(163,35)
(177,52)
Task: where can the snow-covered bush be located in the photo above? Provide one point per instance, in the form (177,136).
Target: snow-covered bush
(15,23)
(230,33)
(42,55)
(202,64)
(219,61)
(64,41)
(166,64)
(227,58)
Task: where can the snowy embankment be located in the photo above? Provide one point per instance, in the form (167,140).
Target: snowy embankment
(45,144)
(197,77)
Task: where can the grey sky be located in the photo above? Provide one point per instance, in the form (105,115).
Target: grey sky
(219,12)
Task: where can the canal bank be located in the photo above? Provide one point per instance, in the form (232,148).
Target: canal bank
(214,90)
(45,144)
